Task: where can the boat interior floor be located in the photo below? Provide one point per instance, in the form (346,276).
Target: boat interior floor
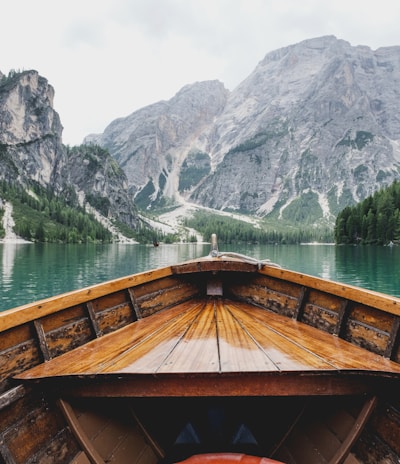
(178,428)
(177,351)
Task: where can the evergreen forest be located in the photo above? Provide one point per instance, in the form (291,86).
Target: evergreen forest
(231,230)
(375,220)
(41,216)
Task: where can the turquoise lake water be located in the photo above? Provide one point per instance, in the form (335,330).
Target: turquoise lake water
(34,271)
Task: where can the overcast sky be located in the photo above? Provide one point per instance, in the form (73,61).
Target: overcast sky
(108,58)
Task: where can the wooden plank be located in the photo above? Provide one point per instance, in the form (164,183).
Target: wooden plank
(282,352)
(42,340)
(319,317)
(249,340)
(32,434)
(158,451)
(101,353)
(197,350)
(386,425)
(335,351)
(114,318)
(154,354)
(69,337)
(12,395)
(358,426)
(371,298)
(135,306)
(239,351)
(212,384)
(214,265)
(342,318)
(271,299)
(93,319)
(81,458)
(79,433)
(394,339)
(298,314)
(166,298)
(17,359)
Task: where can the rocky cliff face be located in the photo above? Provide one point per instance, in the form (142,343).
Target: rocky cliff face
(314,128)
(30,129)
(152,143)
(31,149)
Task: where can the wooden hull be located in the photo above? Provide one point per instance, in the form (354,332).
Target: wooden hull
(299,413)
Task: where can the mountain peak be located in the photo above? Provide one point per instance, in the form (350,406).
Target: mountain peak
(312,129)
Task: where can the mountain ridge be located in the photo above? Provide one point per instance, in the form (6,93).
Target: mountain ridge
(314,128)
(311,130)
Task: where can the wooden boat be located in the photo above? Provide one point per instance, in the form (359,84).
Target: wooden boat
(218,360)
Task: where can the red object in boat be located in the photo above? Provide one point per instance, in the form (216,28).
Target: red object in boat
(228,458)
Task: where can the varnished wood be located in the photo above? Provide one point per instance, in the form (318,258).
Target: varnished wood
(211,385)
(32,311)
(80,435)
(213,327)
(180,346)
(351,438)
(367,297)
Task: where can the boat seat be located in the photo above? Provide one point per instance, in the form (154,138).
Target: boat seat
(228,458)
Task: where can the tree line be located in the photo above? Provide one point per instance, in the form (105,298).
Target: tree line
(375,220)
(231,230)
(41,216)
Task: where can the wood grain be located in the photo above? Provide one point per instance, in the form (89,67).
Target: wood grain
(214,335)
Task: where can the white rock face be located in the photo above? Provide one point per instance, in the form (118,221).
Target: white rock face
(30,129)
(314,128)
(31,150)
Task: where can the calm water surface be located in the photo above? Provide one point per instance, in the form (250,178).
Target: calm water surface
(33,271)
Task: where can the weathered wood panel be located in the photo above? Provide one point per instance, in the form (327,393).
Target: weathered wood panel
(164,296)
(110,301)
(319,317)
(370,298)
(61,448)
(369,328)
(157,286)
(369,449)
(386,425)
(321,310)
(19,351)
(115,317)
(66,330)
(59,319)
(279,286)
(39,309)
(68,337)
(272,300)
(33,428)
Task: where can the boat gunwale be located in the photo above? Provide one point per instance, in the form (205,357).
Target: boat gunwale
(41,308)
(32,311)
(382,301)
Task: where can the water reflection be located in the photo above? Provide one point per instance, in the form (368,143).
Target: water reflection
(376,268)
(31,272)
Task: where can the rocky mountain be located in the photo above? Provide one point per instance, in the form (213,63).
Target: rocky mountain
(314,128)
(152,144)
(31,150)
